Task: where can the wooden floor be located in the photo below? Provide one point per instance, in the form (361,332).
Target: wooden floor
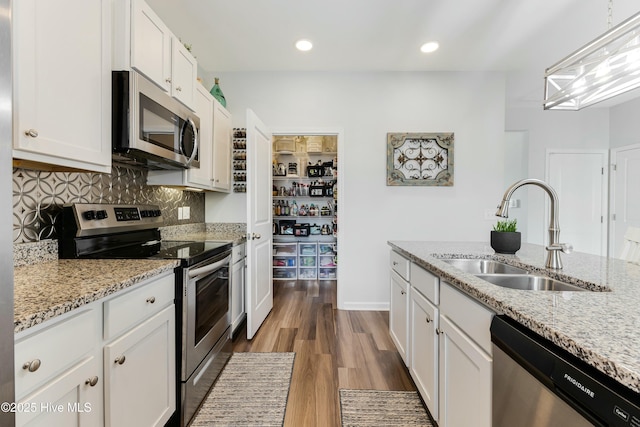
(334,349)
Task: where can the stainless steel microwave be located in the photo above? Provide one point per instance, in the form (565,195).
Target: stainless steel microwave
(149,127)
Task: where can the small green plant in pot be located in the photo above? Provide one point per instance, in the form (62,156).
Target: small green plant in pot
(504,237)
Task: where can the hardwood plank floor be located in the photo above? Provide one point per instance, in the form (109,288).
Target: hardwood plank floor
(334,349)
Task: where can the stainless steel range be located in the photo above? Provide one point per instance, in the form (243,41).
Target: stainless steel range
(202,285)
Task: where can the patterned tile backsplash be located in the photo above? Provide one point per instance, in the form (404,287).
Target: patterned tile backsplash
(38,198)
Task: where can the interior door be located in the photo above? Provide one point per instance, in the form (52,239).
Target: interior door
(580,179)
(259,295)
(625,194)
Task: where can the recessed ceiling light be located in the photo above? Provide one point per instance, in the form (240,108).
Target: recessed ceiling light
(304,45)
(429,47)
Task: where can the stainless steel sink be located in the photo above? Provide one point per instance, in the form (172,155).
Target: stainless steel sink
(483,266)
(528,282)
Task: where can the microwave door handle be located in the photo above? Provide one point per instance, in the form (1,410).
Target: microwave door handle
(203,271)
(195,140)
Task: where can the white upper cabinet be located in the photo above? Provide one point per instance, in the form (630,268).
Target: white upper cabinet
(222,136)
(143,42)
(62,83)
(150,44)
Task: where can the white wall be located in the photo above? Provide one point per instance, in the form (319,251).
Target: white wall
(588,129)
(367,106)
(625,124)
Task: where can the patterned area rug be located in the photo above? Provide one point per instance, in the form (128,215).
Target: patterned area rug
(252,390)
(375,408)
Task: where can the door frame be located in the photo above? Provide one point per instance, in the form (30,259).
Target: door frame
(613,162)
(604,198)
(339,132)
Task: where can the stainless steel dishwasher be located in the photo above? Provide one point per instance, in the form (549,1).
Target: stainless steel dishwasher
(536,383)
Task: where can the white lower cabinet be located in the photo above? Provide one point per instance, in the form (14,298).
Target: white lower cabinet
(140,374)
(443,336)
(238,265)
(399,315)
(71,399)
(424,349)
(66,372)
(465,379)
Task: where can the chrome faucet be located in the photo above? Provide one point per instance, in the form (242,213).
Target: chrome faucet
(554,248)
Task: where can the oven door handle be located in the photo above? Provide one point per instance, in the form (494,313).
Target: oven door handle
(203,271)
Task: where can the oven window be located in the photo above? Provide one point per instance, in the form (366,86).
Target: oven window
(212,301)
(157,124)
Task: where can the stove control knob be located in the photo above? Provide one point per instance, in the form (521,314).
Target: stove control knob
(89,215)
(101,214)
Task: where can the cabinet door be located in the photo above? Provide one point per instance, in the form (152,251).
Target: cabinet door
(399,315)
(202,177)
(237,293)
(424,349)
(150,44)
(222,136)
(184,73)
(139,374)
(465,380)
(62,83)
(72,399)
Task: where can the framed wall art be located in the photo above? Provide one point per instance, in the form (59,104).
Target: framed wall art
(420,159)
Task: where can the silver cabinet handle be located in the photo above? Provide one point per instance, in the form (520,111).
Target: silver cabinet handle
(395,263)
(32,365)
(179,89)
(403,292)
(151,300)
(428,319)
(168,80)
(92,381)
(120,360)
(31,132)
(439,331)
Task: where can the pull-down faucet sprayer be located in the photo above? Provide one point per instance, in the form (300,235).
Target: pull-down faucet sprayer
(554,248)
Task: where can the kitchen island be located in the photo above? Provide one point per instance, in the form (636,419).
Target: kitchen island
(600,326)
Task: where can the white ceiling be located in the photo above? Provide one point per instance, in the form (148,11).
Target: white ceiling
(521,37)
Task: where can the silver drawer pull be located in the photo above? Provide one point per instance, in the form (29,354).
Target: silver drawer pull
(32,365)
(120,360)
(92,381)
(438,331)
(403,292)
(31,132)
(151,300)
(168,80)
(395,263)
(428,319)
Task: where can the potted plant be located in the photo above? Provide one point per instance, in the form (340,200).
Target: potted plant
(504,237)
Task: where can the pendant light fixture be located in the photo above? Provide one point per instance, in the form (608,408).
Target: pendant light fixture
(606,67)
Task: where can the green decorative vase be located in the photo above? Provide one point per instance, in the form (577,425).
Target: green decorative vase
(217,93)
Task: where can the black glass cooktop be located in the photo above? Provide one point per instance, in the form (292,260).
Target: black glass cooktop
(188,252)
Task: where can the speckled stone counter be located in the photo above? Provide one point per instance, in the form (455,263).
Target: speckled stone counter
(601,327)
(48,289)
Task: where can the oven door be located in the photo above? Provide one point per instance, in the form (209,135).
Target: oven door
(205,316)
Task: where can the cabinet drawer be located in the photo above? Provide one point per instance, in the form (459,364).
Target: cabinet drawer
(470,316)
(426,282)
(400,265)
(129,309)
(238,253)
(54,348)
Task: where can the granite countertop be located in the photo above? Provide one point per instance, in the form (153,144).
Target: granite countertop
(601,327)
(48,289)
